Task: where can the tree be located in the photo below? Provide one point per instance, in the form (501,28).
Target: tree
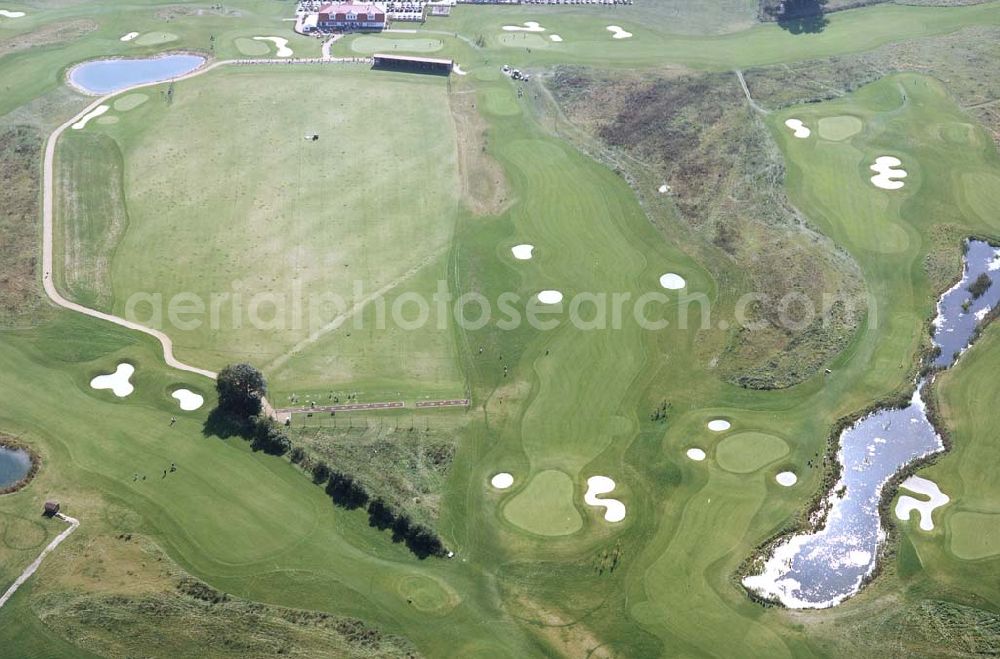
(380,515)
(241,388)
(979,287)
(270,437)
(321,473)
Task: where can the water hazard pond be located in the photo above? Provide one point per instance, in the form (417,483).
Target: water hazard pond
(111,75)
(14,465)
(822,568)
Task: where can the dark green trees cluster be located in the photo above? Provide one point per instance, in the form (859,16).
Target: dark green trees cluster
(242,389)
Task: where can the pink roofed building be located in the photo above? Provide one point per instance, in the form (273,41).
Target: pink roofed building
(351,16)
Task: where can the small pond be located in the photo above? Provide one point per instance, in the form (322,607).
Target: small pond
(14,465)
(111,75)
(822,568)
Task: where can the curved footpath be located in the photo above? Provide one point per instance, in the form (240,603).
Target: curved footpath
(30,570)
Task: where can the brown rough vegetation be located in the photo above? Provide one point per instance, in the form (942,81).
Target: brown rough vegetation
(726,178)
(21,299)
(122,596)
(47,35)
(484,185)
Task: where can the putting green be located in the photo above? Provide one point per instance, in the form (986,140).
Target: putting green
(367,45)
(545,506)
(155,38)
(982,193)
(130,102)
(252,47)
(107,120)
(840,127)
(745,452)
(974,535)
(525,40)
(425,593)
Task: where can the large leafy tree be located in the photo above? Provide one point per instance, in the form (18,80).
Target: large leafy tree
(241,388)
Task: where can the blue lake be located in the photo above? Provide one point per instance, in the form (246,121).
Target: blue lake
(111,75)
(822,568)
(14,465)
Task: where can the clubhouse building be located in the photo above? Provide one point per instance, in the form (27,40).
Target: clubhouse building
(346,17)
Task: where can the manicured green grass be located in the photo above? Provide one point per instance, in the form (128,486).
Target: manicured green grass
(747,452)
(368,209)
(366,45)
(545,505)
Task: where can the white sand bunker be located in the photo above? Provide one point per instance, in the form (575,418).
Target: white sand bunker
(117,382)
(522,252)
(6,13)
(618,33)
(189,400)
(787,478)
(502,481)
(885,172)
(457,70)
(597,485)
(718,425)
(550,297)
(529,26)
(85,119)
(672,281)
(280,43)
(129,36)
(555,37)
(663,189)
(696,454)
(908,504)
(800,128)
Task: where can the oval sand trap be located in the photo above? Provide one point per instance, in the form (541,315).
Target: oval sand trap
(522,252)
(696,454)
(280,43)
(550,297)
(555,37)
(745,452)
(6,13)
(597,485)
(799,128)
(885,168)
(718,425)
(839,128)
(672,281)
(130,102)
(129,36)
(188,399)
(529,26)
(85,119)
(618,32)
(663,189)
(117,382)
(502,481)
(545,505)
(907,504)
(787,478)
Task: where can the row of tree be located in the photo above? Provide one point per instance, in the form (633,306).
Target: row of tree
(241,389)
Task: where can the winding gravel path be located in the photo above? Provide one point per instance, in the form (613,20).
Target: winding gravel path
(30,570)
